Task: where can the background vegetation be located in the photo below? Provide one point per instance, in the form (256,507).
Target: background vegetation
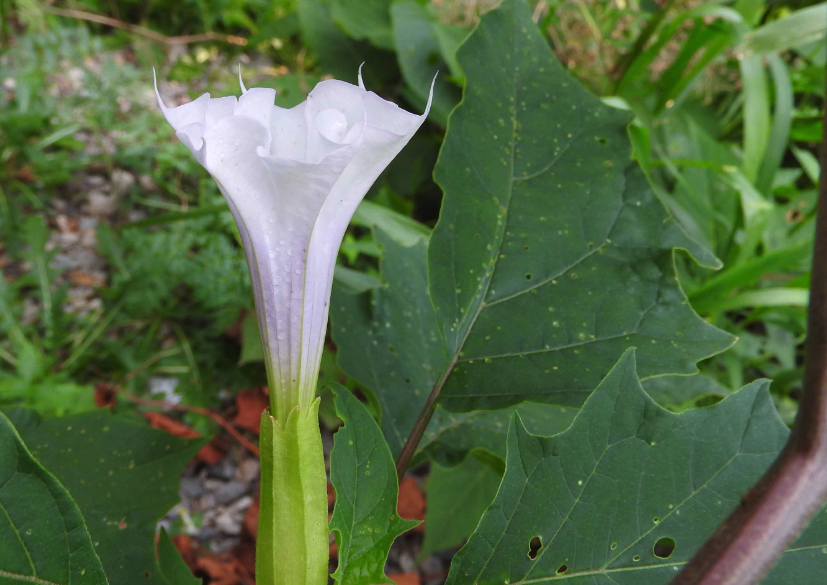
(121,265)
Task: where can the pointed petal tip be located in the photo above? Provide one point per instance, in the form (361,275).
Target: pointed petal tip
(430,96)
(240,82)
(361,83)
(157,93)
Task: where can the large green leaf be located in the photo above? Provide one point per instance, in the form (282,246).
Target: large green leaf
(124,476)
(418,51)
(173,567)
(629,492)
(398,319)
(551,255)
(388,338)
(43,538)
(363,474)
(450,436)
(365,19)
(681,392)
(339,54)
(457,497)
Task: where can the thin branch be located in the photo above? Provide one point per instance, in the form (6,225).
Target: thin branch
(404,459)
(774,512)
(231,430)
(140,30)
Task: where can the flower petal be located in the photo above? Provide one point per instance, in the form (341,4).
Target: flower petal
(192,137)
(289,131)
(376,148)
(388,116)
(293,179)
(186,114)
(359,75)
(240,82)
(300,191)
(219,108)
(257,103)
(231,146)
(339,96)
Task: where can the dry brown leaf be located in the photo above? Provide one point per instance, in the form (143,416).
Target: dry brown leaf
(210,453)
(170,425)
(245,553)
(250,521)
(105,395)
(80,278)
(220,571)
(186,548)
(411,504)
(251,403)
(411,578)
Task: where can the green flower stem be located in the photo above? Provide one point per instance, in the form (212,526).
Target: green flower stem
(292,547)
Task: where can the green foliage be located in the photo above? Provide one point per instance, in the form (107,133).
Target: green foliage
(42,533)
(726,107)
(362,472)
(627,487)
(364,19)
(121,474)
(451,436)
(457,497)
(514,321)
(172,566)
(168,270)
(418,49)
(520,322)
(398,321)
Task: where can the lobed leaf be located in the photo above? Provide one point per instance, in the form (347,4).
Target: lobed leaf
(551,257)
(457,498)
(629,492)
(363,474)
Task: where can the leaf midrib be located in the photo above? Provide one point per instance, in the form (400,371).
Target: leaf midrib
(482,290)
(26,578)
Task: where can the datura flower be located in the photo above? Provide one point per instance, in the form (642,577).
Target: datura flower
(293,179)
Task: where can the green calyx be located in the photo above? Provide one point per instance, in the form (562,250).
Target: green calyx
(292,547)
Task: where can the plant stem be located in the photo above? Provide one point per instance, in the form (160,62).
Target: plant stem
(292,546)
(774,512)
(421,424)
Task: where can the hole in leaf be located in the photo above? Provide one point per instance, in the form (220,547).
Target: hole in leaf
(636,558)
(562,569)
(794,215)
(601,140)
(664,547)
(534,546)
(528,277)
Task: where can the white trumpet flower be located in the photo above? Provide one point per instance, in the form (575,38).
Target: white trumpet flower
(293,179)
